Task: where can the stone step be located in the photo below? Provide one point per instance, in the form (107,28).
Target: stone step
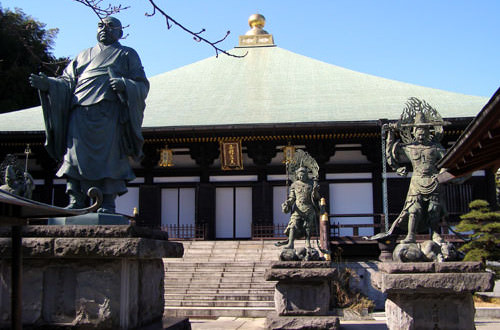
(220,278)
(200,273)
(219,303)
(222,259)
(232,251)
(228,268)
(216,264)
(268,296)
(223,277)
(215,286)
(219,262)
(223,291)
(224,285)
(219,296)
(217,311)
(182,272)
(198,266)
(211,259)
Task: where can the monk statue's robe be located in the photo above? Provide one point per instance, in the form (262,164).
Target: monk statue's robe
(90,127)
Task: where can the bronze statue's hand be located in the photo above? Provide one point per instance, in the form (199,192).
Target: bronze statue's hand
(117,84)
(315,184)
(285,207)
(39,81)
(390,135)
(402,171)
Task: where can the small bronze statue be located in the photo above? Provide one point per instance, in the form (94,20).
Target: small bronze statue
(16,181)
(93,115)
(303,204)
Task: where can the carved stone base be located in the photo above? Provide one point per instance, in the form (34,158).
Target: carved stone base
(275,322)
(302,287)
(99,277)
(430,311)
(431,295)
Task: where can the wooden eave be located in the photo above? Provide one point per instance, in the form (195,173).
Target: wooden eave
(346,131)
(478,147)
(264,132)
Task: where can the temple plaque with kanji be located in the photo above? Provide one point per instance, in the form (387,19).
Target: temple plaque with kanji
(231,155)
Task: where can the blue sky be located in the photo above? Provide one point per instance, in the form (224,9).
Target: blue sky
(446,44)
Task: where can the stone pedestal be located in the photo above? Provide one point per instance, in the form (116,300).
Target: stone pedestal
(90,219)
(301,295)
(99,277)
(431,295)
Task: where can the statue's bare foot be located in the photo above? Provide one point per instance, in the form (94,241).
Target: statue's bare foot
(281,243)
(75,206)
(408,239)
(437,238)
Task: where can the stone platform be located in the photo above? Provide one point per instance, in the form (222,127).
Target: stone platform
(99,277)
(90,219)
(302,295)
(431,295)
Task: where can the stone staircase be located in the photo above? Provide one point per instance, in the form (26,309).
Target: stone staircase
(220,278)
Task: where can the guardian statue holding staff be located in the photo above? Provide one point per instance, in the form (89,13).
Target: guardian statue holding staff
(302,204)
(420,129)
(93,115)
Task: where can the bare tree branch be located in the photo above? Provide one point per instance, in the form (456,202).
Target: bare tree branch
(196,35)
(102,12)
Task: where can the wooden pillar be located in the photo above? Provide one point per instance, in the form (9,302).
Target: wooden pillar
(262,154)
(150,160)
(373,152)
(149,206)
(16,278)
(262,203)
(205,208)
(204,154)
(490,188)
(49,167)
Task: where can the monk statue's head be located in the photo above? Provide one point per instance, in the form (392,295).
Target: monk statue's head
(109,30)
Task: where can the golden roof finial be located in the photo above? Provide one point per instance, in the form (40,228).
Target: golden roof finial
(256,22)
(257,36)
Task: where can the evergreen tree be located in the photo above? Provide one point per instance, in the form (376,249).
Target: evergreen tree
(25,48)
(485,227)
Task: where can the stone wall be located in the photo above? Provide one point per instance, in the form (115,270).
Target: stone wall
(364,271)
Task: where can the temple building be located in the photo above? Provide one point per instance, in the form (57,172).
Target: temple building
(217,133)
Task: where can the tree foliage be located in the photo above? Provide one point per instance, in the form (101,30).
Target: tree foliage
(484,224)
(25,47)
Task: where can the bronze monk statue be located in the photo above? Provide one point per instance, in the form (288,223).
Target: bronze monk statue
(93,115)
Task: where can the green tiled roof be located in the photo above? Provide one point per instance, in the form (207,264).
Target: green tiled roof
(271,85)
